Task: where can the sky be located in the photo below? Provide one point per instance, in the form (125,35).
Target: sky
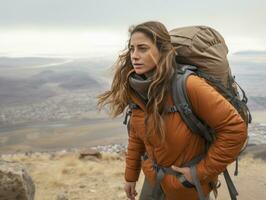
(100,27)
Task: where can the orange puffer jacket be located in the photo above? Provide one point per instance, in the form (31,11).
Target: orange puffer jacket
(181,145)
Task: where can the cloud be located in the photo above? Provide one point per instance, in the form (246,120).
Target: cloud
(88,43)
(30,24)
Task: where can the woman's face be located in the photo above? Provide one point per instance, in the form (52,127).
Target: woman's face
(144,54)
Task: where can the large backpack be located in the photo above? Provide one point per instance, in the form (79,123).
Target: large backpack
(202,51)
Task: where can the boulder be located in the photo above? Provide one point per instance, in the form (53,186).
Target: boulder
(89,154)
(62,196)
(15,182)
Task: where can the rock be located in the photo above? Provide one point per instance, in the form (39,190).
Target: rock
(15,182)
(90,153)
(112,148)
(82,186)
(62,196)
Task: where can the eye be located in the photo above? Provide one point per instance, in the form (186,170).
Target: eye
(143,49)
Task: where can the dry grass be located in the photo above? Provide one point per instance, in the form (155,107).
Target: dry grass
(101,179)
(77,179)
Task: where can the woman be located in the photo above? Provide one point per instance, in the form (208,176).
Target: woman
(143,77)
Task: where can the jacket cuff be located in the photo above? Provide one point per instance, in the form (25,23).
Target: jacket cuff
(132,175)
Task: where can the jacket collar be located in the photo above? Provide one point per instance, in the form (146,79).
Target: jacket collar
(137,100)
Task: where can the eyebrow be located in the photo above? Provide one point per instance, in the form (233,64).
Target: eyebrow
(139,45)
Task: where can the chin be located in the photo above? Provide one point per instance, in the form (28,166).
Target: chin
(139,71)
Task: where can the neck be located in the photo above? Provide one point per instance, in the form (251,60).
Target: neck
(150,73)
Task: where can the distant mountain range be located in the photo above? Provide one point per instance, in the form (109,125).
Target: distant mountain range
(37,87)
(15,62)
(58,90)
(250,53)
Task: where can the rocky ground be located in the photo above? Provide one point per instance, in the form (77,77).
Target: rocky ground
(64,175)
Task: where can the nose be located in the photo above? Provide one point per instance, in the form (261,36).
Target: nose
(134,55)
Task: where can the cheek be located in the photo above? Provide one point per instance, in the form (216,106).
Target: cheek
(152,60)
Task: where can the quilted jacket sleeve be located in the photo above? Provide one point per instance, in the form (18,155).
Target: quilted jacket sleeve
(135,149)
(220,115)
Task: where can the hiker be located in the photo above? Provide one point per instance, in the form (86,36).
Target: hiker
(177,163)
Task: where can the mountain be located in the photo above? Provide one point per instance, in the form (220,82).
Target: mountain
(250,53)
(16,62)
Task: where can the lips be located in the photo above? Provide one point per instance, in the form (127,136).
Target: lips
(137,65)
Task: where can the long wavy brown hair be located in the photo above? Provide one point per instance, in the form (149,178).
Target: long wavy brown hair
(118,96)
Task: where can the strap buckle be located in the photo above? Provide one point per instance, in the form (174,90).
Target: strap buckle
(155,166)
(128,113)
(172,109)
(186,109)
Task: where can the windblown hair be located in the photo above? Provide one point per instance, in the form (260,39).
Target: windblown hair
(118,96)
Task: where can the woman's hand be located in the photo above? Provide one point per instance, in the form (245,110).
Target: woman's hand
(185,171)
(130,190)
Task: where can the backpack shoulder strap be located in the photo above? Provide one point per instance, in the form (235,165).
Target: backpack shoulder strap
(183,104)
(130,107)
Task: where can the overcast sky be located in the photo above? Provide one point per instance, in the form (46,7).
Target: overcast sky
(79,26)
